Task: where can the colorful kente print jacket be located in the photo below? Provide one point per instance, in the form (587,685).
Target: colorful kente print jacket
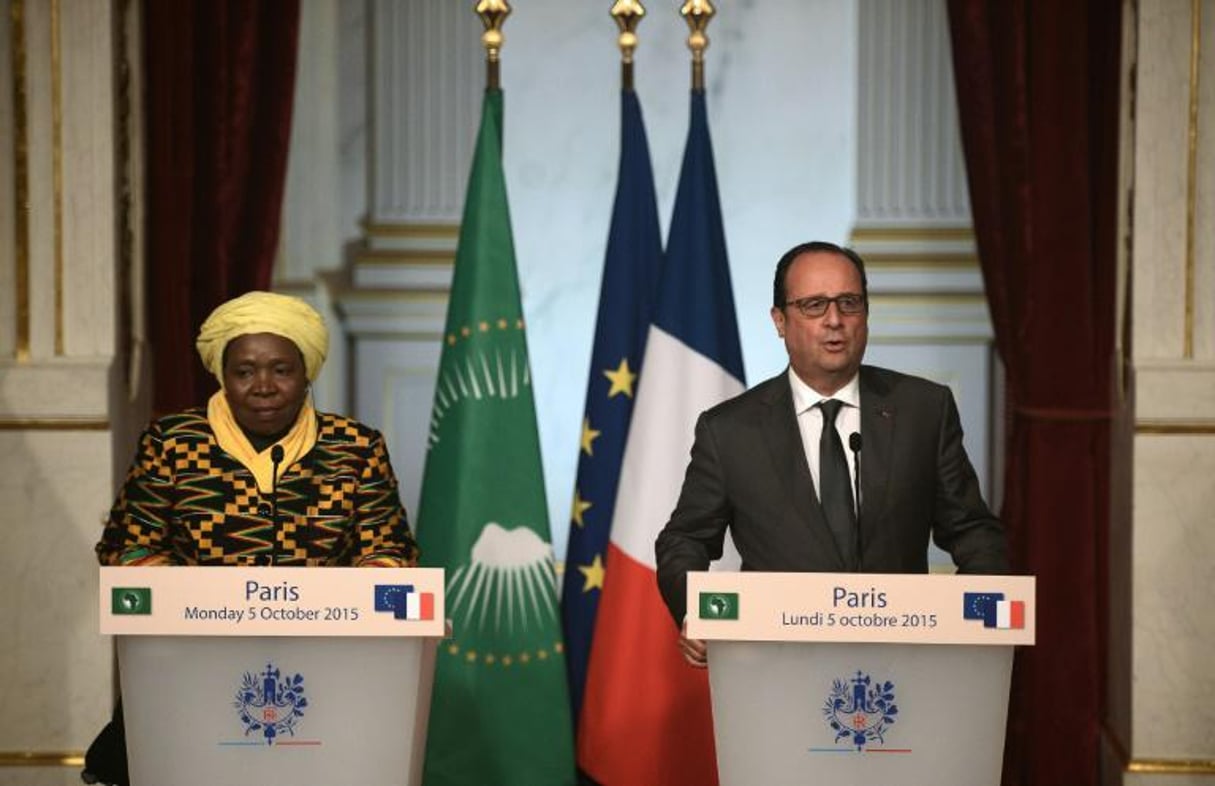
(186,499)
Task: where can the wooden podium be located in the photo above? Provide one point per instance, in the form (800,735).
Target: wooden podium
(824,678)
(274,675)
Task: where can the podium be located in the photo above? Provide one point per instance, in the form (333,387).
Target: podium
(840,679)
(274,675)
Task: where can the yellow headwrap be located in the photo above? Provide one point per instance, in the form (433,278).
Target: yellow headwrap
(264,312)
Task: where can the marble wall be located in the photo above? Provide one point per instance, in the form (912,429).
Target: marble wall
(1162,695)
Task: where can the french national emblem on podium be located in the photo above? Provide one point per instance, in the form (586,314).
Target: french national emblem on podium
(860,710)
(272,705)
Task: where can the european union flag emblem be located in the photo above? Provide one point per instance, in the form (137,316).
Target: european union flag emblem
(981,606)
(392,597)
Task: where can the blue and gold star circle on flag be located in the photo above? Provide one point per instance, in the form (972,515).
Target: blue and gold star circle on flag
(631,268)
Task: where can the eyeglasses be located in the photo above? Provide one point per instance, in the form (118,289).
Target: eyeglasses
(816,305)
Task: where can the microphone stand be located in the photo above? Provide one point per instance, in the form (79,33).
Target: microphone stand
(854,443)
(276,458)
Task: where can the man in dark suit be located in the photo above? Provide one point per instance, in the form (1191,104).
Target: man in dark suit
(764,466)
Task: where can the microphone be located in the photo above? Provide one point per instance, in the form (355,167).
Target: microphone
(854,444)
(276,458)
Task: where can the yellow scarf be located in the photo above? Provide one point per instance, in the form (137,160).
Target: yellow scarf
(299,440)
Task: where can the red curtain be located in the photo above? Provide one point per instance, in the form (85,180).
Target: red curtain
(1038,91)
(220,79)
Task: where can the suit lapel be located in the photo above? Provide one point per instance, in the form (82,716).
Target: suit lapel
(878,416)
(784,440)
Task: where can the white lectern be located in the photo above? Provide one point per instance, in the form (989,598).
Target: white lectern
(274,675)
(840,679)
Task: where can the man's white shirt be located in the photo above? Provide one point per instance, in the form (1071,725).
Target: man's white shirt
(810,420)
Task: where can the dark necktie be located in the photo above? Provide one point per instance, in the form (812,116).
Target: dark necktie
(835,487)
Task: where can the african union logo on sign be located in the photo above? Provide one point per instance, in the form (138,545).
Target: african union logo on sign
(130,600)
(860,712)
(719,605)
(270,703)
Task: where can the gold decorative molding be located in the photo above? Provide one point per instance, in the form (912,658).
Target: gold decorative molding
(421,336)
(130,289)
(916,340)
(381,295)
(41,758)
(899,259)
(1191,174)
(21,179)
(57,169)
(412,230)
(929,299)
(936,234)
(406,256)
(1171,766)
(1155,766)
(54,424)
(1175,427)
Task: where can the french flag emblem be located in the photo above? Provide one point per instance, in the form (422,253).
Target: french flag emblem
(404,602)
(994,610)
(1010,614)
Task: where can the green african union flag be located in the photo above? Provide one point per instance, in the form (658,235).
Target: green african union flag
(500,709)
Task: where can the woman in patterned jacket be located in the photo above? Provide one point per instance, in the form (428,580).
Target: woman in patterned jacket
(259,477)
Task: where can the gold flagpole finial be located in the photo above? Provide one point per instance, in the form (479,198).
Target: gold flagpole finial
(627,14)
(697,14)
(493,13)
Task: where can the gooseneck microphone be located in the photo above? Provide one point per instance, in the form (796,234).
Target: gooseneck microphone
(276,458)
(854,444)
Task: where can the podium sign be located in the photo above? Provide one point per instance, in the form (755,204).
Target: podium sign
(274,675)
(272,601)
(860,678)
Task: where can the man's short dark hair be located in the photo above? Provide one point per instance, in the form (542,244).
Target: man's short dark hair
(814,246)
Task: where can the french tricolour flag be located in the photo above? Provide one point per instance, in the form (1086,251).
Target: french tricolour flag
(1010,614)
(420,606)
(646,717)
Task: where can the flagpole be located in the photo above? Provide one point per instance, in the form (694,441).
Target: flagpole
(697,14)
(627,14)
(493,13)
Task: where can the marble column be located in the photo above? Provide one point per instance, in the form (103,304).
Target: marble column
(424,78)
(1160,687)
(71,391)
(913,224)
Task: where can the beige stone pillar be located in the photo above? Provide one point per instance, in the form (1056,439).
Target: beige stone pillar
(70,397)
(1162,628)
